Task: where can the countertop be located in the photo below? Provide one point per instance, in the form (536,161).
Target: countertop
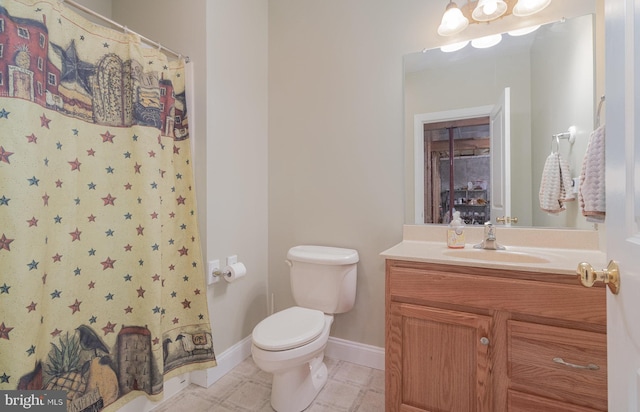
(535,250)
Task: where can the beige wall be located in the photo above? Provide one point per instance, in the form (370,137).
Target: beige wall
(237,161)
(335,140)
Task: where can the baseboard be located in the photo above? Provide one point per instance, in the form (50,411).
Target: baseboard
(354,352)
(340,349)
(227,360)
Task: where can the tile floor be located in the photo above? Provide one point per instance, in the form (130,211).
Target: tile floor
(350,388)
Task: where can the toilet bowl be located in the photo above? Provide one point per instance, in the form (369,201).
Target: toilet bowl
(296,360)
(290,344)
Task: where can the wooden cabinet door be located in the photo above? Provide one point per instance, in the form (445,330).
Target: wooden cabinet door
(438,360)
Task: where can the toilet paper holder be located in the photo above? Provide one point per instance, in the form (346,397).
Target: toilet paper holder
(230,273)
(224,272)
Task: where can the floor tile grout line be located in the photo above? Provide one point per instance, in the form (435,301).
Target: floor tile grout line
(246,374)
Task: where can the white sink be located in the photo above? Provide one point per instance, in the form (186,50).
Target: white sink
(496,256)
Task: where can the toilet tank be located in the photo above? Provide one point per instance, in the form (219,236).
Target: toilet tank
(323,277)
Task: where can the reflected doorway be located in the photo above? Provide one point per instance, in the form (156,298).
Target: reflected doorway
(457,163)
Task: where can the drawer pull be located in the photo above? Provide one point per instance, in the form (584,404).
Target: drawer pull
(590,366)
(484,341)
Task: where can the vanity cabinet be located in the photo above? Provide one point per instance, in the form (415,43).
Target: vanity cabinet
(464,338)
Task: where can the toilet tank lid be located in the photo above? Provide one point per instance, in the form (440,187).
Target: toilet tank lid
(324,255)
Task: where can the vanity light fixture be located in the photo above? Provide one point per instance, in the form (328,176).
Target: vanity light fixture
(456,19)
(453,21)
(487,41)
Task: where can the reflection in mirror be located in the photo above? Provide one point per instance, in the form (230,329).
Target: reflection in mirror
(550,75)
(457,170)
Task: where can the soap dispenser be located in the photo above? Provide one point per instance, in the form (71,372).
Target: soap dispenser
(455,232)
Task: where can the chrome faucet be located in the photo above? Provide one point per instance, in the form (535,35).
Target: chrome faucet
(489,241)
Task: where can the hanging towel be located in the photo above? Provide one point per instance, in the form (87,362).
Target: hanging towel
(592,178)
(555,186)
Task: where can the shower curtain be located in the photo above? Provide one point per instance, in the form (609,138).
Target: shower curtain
(102,289)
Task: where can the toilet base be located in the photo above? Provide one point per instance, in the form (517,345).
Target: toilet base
(293,390)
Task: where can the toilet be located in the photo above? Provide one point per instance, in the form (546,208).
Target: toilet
(290,344)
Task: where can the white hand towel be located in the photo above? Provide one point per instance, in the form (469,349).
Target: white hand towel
(592,193)
(555,185)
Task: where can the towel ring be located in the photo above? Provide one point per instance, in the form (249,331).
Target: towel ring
(569,135)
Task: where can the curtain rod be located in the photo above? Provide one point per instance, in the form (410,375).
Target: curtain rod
(125,28)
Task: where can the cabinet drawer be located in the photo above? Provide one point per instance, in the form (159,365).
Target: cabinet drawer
(523,402)
(564,364)
(572,303)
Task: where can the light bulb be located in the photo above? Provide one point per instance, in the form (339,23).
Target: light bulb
(487,10)
(528,7)
(453,21)
(490,7)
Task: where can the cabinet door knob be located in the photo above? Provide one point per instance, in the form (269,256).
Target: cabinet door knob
(588,276)
(484,340)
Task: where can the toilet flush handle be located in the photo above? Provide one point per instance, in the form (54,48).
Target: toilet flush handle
(290,263)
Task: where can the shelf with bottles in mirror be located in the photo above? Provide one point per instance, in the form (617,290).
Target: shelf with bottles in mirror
(472,205)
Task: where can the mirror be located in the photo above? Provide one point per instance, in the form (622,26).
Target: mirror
(551,77)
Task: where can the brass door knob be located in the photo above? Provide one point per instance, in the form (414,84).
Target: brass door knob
(610,276)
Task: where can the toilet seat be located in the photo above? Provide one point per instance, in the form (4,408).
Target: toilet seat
(289,328)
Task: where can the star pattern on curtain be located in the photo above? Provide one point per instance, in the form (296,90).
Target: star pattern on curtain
(102,290)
